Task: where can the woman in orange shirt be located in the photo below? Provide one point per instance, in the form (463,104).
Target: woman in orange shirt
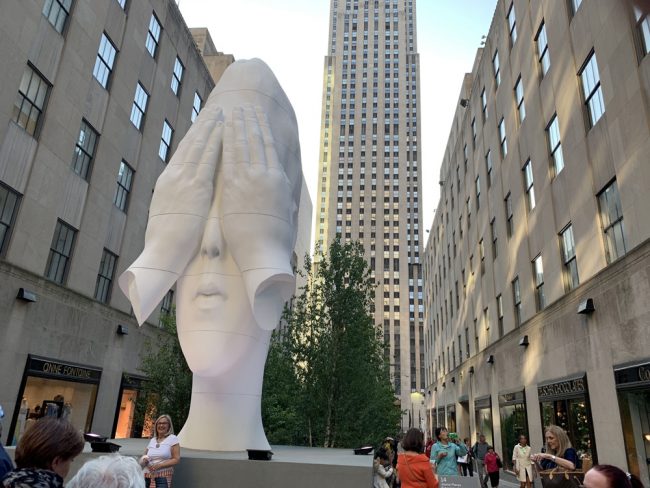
(413,467)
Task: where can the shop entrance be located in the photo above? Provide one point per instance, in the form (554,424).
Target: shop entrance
(51,388)
(565,403)
(483,416)
(633,390)
(128,423)
(514,422)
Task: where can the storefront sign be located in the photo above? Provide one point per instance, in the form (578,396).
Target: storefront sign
(458,481)
(485,402)
(638,375)
(512,398)
(563,389)
(65,371)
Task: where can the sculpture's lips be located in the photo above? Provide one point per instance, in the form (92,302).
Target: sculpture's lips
(210,295)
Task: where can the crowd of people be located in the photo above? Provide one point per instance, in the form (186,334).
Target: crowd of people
(414,463)
(48,447)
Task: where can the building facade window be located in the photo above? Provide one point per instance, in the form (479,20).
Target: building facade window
(58,262)
(474,133)
(500,314)
(611,215)
(555,145)
(478,192)
(571,279)
(592,90)
(510,221)
(177,76)
(488,167)
(196,106)
(516,300)
(153,35)
(542,49)
(105,60)
(165,141)
(643,27)
(9,202)
(512,23)
(519,99)
(30,104)
(57,13)
(502,138)
(84,150)
(575,5)
(493,235)
(105,276)
(484,104)
(122,4)
(528,185)
(538,276)
(139,107)
(496,68)
(123,190)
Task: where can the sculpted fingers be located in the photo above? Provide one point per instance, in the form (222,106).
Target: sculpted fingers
(270,150)
(254,133)
(198,137)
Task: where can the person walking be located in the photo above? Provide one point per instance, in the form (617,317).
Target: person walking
(467,465)
(492,465)
(479,450)
(522,463)
(444,454)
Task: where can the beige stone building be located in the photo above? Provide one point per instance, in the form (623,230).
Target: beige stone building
(95,98)
(369,171)
(537,268)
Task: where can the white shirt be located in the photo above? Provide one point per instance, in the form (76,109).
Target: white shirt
(164,449)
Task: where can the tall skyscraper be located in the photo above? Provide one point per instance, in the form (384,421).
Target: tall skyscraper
(369,174)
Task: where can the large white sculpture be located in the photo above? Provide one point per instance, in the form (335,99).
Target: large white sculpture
(222,225)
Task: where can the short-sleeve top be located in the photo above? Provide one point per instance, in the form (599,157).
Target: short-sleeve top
(570,455)
(164,449)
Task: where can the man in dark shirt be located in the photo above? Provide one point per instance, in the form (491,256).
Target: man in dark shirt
(480,450)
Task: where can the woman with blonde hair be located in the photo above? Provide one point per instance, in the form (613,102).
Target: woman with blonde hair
(559,452)
(161,455)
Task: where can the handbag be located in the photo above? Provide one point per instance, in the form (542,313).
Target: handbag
(499,462)
(560,478)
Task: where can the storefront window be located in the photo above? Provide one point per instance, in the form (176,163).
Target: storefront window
(566,404)
(483,415)
(55,389)
(514,422)
(633,384)
(451,418)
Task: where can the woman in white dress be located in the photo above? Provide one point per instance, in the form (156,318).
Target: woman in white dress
(522,462)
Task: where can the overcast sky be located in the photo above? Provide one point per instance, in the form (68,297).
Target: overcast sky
(291,37)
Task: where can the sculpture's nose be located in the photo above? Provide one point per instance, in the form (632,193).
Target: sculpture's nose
(212,245)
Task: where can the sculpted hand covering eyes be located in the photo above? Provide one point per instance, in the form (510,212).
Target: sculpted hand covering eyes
(258,225)
(222,225)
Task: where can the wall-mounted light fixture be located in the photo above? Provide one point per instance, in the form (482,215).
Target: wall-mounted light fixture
(471,370)
(26,295)
(453,379)
(444,384)
(464,102)
(122,330)
(524,341)
(586,306)
(490,359)
(435,388)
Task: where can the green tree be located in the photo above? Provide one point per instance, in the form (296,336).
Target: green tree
(168,387)
(342,395)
